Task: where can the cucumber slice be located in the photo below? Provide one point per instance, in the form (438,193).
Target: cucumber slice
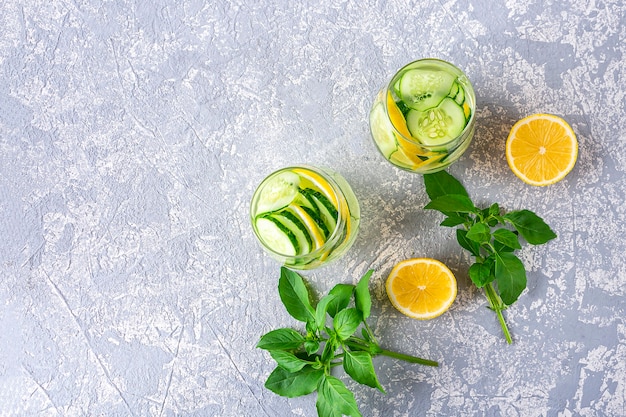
(460,97)
(454,89)
(308,219)
(439,125)
(305,199)
(382,130)
(295,225)
(277,236)
(328,212)
(422,89)
(278,192)
(319,222)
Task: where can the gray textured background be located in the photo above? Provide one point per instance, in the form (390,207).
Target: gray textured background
(132,135)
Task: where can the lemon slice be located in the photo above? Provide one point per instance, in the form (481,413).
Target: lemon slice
(421,288)
(310,224)
(541,149)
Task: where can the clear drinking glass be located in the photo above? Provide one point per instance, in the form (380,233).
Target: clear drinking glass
(423,120)
(304,216)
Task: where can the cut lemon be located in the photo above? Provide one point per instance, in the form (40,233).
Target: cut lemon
(396,116)
(408,149)
(541,149)
(421,288)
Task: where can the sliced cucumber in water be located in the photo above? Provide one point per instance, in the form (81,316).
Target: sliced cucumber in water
(305,199)
(460,97)
(439,125)
(319,222)
(382,130)
(326,209)
(421,89)
(277,236)
(295,225)
(454,89)
(311,222)
(278,192)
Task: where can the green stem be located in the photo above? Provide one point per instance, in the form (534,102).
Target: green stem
(408,358)
(497,305)
(374,349)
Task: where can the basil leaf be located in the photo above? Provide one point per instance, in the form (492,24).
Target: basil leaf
(532,227)
(295,296)
(507,238)
(283,339)
(288,361)
(311,346)
(451,203)
(494,209)
(481,274)
(479,233)
(360,367)
(342,293)
(441,183)
(452,220)
(334,399)
(346,322)
(330,347)
(510,276)
(362,298)
(294,384)
(470,245)
(365,334)
(322,309)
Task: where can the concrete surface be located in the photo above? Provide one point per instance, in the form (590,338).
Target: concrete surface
(132,135)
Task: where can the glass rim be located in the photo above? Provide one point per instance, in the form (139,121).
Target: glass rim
(413,140)
(339,226)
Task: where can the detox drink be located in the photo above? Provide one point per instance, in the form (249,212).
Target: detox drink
(423,120)
(305,216)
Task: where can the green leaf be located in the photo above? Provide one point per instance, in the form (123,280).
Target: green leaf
(510,276)
(452,220)
(360,367)
(532,227)
(479,233)
(451,203)
(507,238)
(334,399)
(442,183)
(343,294)
(311,346)
(470,245)
(294,384)
(494,209)
(322,309)
(283,339)
(295,296)
(346,322)
(288,361)
(362,298)
(481,273)
(366,334)
(330,347)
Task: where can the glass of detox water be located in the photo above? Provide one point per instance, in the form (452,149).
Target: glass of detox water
(423,120)
(304,216)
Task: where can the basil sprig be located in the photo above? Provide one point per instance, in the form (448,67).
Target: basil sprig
(304,361)
(491,237)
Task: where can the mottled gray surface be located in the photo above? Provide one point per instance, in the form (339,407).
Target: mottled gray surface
(132,135)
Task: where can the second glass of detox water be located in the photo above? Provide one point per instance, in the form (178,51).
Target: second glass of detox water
(423,120)
(305,217)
